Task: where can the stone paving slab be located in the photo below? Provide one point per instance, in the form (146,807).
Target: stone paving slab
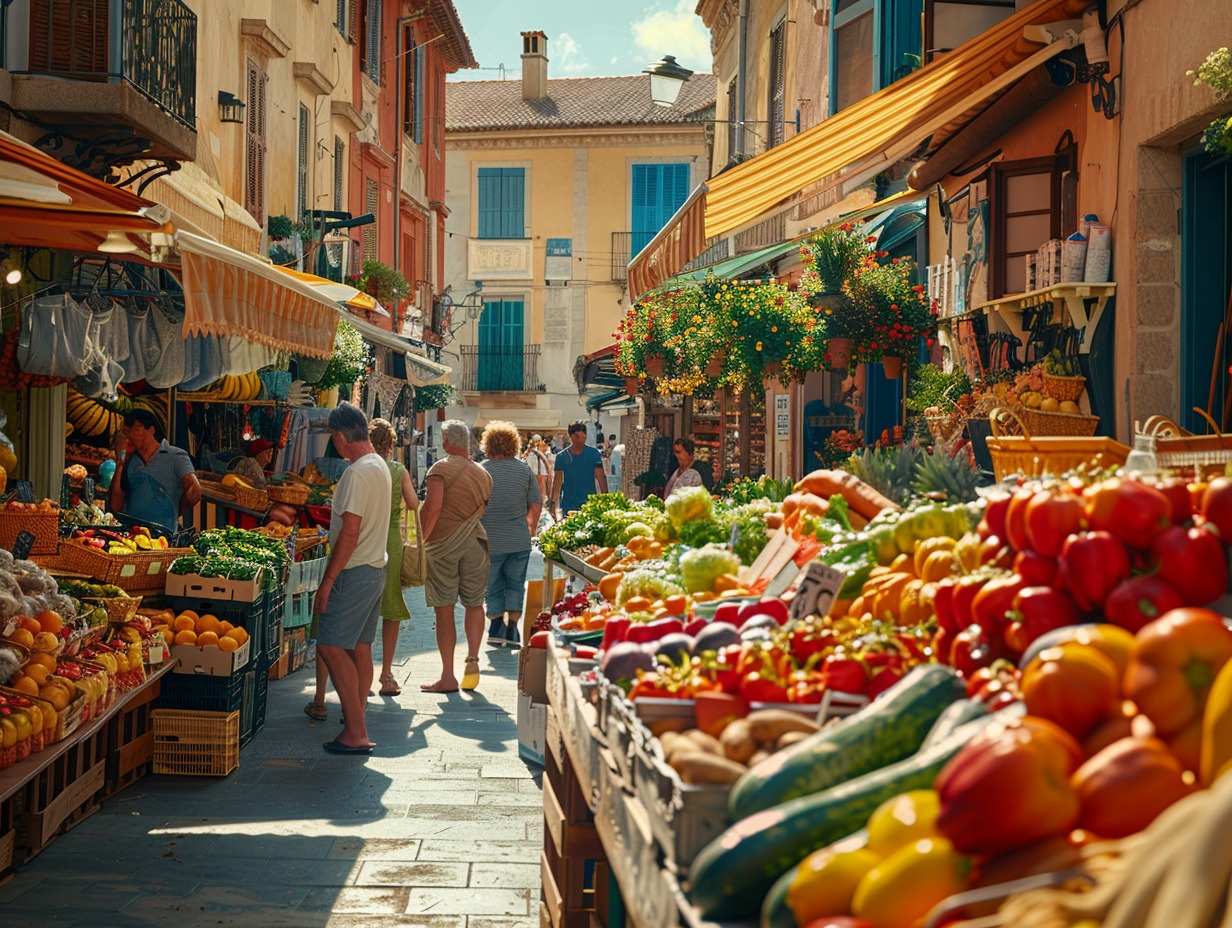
(440,828)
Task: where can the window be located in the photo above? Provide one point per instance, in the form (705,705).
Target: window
(873,43)
(412,88)
(501,347)
(372,204)
(339,167)
(951,23)
(658,191)
(778,84)
(254,139)
(370,41)
(301,163)
(733,113)
(1026,213)
(502,195)
(346,18)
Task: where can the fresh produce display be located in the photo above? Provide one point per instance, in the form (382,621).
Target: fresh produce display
(202,631)
(236,554)
(83,513)
(121,542)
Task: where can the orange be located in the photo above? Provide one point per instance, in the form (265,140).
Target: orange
(30,625)
(239,635)
(224,626)
(25,685)
(43,659)
(38,673)
(191,614)
(46,641)
(207,639)
(169,636)
(55,694)
(23,637)
(186,636)
(227,643)
(207,623)
(185,621)
(50,621)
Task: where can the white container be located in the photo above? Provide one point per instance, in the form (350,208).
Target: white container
(1073,259)
(1099,255)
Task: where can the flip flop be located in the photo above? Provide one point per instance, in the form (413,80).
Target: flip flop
(337,747)
(313,711)
(435,688)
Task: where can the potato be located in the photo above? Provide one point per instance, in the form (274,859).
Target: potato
(737,741)
(663,726)
(707,743)
(789,738)
(768,725)
(700,769)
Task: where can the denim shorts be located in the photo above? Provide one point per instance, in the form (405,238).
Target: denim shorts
(507,582)
(354,608)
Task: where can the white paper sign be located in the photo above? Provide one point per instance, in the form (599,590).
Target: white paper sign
(782,415)
(816,587)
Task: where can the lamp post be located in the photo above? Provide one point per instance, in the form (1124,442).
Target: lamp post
(666,79)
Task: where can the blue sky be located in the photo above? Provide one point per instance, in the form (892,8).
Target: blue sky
(586,38)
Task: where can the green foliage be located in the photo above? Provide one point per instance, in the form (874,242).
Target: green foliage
(933,387)
(1216,72)
(435,396)
(833,256)
(745,490)
(383,282)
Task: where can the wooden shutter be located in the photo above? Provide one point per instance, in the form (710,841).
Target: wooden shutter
(352,19)
(301,163)
(488,198)
(372,204)
(340,17)
(339,166)
(410,53)
(733,112)
(438,121)
(513,195)
(68,36)
(418,100)
(254,156)
(645,211)
(372,40)
(778,83)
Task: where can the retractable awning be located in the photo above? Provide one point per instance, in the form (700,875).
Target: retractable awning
(339,293)
(861,141)
(421,371)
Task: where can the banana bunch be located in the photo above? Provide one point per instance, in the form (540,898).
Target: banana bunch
(94,418)
(1175,874)
(241,388)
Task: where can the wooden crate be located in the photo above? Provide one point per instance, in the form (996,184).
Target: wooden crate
(130,742)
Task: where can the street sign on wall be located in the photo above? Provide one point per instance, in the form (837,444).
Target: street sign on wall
(558,261)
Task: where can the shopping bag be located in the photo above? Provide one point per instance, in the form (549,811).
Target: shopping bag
(414,555)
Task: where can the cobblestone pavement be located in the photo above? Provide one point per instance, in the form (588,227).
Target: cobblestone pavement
(441,827)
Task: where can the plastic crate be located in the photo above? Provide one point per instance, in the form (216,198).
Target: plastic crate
(297,610)
(271,617)
(206,694)
(249,616)
(190,743)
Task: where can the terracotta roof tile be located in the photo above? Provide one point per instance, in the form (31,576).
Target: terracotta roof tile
(575,101)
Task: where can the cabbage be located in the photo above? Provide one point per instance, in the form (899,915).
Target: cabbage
(645,583)
(701,567)
(689,503)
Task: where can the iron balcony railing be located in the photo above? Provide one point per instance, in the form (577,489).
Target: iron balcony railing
(501,367)
(717,250)
(621,241)
(151,44)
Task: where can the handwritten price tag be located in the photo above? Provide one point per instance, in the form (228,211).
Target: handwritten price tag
(816,586)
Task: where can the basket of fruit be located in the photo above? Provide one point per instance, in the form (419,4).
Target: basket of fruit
(32,724)
(42,520)
(1063,378)
(290,490)
(1014,450)
(1048,421)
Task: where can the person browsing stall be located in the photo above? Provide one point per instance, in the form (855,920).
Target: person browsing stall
(253,467)
(686,474)
(158,481)
(579,472)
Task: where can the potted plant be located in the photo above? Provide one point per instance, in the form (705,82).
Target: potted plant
(383,283)
(831,257)
(888,314)
(1216,72)
(642,334)
(768,324)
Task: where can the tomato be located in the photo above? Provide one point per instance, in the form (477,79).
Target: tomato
(995,513)
(1038,610)
(1035,569)
(1129,510)
(1217,506)
(1050,518)
(1141,600)
(1192,561)
(1016,520)
(904,887)
(1127,784)
(1073,685)
(971,650)
(1092,565)
(903,820)
(755,687)
(826,881)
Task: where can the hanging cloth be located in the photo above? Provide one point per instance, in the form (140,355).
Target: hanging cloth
(165,360)
(55,337)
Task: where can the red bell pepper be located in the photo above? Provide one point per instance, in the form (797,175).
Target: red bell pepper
(1016,519)
(757,687)
(1036,569)
(943,606)
(971,650)
(1177,492)
(775,608)
(844,674)
(614,631)
(1141,600)
(992,604)
(1037,611)
(1009,786)
(805,688)
(729,613)
(1173,664)
(1074,685)
(995,512)
(964,595)
(881,680)
(1192,561)
(1131,511)
(652,631)
(1051,517)
(1217,507)
(696,625)
(1092,565)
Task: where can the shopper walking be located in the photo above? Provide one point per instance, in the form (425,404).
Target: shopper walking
(457,491)
(349,599)
(393,605)
(579,472)
(511,519)
(538,463)
(686,473)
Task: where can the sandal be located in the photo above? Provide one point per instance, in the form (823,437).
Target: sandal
(389,686)
(470,676)
(314,711)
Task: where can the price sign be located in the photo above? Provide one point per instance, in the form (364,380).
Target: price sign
(22,545)
(25,491)
(816,588)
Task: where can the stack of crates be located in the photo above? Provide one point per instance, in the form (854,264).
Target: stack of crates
(195,743)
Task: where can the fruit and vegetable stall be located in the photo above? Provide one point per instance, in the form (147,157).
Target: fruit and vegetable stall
(811,706)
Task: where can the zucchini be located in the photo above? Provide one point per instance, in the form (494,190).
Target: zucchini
(959,713)
(733,873)
(888,729)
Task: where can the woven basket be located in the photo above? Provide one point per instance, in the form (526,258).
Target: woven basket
(292,494)
(1058,423)
(1015,451)
(42,524)
(252,498)
(118,610)
(134,572)
(944,428)
(1064,388)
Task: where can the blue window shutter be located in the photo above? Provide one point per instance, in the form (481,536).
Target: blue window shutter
(512,196)
(501,202)
(675,190)
(641,211)
(417,114)
(658,191)
(489,203)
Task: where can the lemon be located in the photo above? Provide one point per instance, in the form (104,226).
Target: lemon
(1050,404)
(1070,406)
(827,882)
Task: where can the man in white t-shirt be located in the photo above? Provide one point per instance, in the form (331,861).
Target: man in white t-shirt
(538,463)
(348,601)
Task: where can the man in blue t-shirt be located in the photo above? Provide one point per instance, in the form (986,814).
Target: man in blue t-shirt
(579,472)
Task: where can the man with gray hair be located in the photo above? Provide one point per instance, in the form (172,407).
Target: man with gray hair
(456,496)
(348,602)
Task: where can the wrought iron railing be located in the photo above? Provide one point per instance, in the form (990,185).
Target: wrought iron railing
(621,241)
(501,367)
(717,250)
(151,44)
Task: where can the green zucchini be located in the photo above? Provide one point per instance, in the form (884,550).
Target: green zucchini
(959,713)
(888,729)
(733,873)
(775,909)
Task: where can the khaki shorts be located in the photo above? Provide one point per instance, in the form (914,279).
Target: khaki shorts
(462,576)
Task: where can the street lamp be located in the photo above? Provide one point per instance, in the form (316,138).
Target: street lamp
(666,79)
(230,107)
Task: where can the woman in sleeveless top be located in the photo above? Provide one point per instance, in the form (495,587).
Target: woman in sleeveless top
(393,605)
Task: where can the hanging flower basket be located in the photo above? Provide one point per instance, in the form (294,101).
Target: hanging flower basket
(826,300)
(840,350)
(631,386)
(893,365)
(654,365)
(773,367)
(714,367)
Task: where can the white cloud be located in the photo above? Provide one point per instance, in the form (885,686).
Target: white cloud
(614,60)
(674,30)
(572,58)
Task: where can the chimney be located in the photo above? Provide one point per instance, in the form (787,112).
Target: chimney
(534,65)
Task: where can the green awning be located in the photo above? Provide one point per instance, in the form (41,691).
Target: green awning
(731,268)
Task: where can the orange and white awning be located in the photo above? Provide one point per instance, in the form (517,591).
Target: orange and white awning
(340,293)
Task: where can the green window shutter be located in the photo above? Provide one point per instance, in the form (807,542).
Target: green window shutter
(501,203)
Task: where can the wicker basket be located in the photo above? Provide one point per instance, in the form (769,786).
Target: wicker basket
(43,524)
(1039,422)
(43,739)
(1202,457)
(945,428)
(1015,451)
(134,572)
(118,610)
(1064,388)
(195,743)
(291,494)
(251,498)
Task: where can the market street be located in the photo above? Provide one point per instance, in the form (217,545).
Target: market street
(440,828)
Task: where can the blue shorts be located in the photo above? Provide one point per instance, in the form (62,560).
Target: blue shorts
(507,582)
(354,608)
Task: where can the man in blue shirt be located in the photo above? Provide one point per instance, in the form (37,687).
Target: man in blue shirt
(579,472)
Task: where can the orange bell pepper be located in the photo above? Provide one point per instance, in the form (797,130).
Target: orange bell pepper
(1173,666)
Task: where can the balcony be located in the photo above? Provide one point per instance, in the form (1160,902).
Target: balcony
(762,235)
(132,64)
(621,242)
(509,369)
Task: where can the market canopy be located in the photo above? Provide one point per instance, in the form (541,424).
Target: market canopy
(421,371)
(859,142)
(340,293)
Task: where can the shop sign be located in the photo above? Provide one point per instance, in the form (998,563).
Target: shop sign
(782,415)
(558,262)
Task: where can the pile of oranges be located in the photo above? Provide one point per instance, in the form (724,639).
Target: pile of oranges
(39,634)
(204,631)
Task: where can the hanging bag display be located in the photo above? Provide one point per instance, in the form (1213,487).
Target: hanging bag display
(54,339)
(414,554)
